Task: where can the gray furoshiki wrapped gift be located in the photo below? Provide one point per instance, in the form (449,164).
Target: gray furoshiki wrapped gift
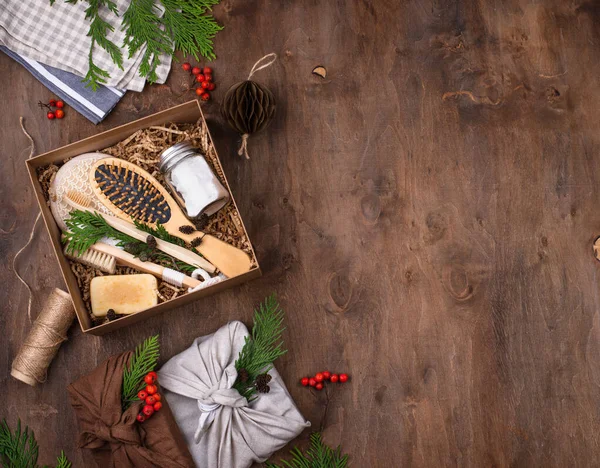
(221,428)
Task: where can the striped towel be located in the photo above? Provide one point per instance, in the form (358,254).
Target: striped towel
(94,106)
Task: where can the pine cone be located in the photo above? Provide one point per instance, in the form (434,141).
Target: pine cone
(201,222)
(243,375)
(144,257)
(134,248)
(248,107)
(262,383)
(187,229)
(263,388)
(151,241)
(111,315)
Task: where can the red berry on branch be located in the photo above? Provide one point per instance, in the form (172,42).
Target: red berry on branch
(304,381)
(150,400)
(59,113)
(142,394)
(50,115)
(207,70)
(208,77)
(343,378)
(335,378)
(319,377)
(186,66)
(326,375)
(157,406)
(59,104)
(150,379)
(148,410)
(52,102)
(319,386)
(151,389)
(205,97)
(141,417)
(211,86)
(200,78)
(196,71)
(312,382)
(199,91)
(157,396)
(205,84)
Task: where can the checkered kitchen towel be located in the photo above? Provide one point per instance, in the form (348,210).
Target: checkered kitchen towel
(57,36)
(71,89)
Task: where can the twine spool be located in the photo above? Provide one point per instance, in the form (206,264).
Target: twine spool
(41,345)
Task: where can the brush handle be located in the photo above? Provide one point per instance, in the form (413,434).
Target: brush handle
(147,267)
(230,260)
(128,228)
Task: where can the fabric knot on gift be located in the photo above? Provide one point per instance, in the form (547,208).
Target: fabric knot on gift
(223,429)
(119,433)
(208,408)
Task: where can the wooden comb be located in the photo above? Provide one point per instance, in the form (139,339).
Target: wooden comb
(131,192)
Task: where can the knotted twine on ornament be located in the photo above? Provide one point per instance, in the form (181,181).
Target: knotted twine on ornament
(248,107)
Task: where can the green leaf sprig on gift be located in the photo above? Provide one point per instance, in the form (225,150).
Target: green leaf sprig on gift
(184,25)
(143,361)
(19,449)
(261,348)
(318,455)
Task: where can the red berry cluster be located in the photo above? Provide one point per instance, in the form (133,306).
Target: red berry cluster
(150,397)
(203,76)
(321,377)
(52,114)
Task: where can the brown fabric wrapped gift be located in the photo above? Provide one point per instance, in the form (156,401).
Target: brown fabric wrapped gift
(115,437)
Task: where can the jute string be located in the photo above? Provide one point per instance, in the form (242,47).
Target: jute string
(266,61)
(50,327)
(47,334)
(37,218)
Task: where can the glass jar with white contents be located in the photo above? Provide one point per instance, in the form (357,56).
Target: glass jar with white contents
(191,181)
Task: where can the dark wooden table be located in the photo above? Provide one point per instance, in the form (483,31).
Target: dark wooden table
(426,215)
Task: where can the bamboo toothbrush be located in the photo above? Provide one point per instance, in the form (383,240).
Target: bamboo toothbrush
(96,259)
(131,192)
(81,202)
(102,255)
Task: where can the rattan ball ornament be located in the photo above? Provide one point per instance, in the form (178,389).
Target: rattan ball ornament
(248,107)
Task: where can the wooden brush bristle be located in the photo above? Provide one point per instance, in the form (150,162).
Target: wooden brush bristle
(131,193)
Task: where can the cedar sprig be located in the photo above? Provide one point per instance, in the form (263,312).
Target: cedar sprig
(185,25)
(19,449)
(262,347)
(86,228)
(318,455)
(143,361)
(190,27)
(160,232)
(98,32)
(143,26)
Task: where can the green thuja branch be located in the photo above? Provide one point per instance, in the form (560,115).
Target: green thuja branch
(262,347)
(19,449)
(318,455)
(143,361)
(99,29)
(190,27)
(86,228)
(144,27)
(185,25)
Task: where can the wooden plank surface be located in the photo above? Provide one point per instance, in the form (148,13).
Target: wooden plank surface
(426,214)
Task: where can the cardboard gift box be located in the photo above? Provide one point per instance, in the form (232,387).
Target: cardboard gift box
(189,112)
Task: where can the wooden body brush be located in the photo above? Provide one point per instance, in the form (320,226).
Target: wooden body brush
(131,192)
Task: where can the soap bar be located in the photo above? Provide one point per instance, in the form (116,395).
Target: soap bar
(125,294)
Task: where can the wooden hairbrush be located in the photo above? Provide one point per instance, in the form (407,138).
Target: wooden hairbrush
(131,192)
